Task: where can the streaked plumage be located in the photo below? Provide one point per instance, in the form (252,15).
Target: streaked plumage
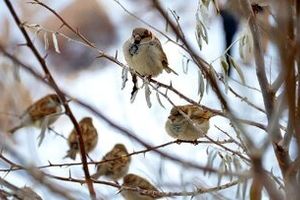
(47,108)
(178,127)
(89,135)
(134,181)
(115,169)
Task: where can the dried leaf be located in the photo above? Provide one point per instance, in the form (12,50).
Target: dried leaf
(237,164)
(198,38)
(212,73)
(208,164)
(238,188)
(203,12)
(245,46)
(44,127)
(124,77)
(241,45)
(201,85)
(204,33)
(159,101)
(225,68)
(133,96)
(147,95)
(245,186)
(220,175)
(238,69)
(55,42)
(230,170)
(201,32)
(213,158)
(46,41)
(116,55)
(185,65)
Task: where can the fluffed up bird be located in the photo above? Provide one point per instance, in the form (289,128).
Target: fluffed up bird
(179,127)
(144,54)
(135,181)
(89,135)
(117,168)
(43,112)
(26,193)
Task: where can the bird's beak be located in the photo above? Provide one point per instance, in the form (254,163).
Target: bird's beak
(137,39)
(172,118)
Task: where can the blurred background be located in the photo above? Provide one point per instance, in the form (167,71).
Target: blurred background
(98,82)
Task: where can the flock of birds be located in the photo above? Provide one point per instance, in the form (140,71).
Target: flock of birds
(144,54)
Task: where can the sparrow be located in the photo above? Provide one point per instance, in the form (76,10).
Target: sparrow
(89,135)
(178,127)
(114,169)
(135,181)
(26,193)
(144,54)
(43,112)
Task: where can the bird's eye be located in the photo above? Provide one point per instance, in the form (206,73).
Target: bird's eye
(147,33)
(174,112)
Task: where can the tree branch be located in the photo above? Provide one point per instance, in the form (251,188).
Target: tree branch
(59,93)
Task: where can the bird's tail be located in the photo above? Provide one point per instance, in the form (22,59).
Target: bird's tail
(71,153)
(169,70)
(14,129)
(95,176)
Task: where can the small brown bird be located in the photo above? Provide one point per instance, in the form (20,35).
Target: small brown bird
(26,193)
(144,54)
(135,181)
(177,126)
(43,112)
(89,135)
(114,169)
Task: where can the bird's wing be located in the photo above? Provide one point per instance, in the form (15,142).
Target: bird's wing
(164,59)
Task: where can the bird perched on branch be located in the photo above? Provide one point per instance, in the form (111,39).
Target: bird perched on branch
(41,114)
(118,167)
(135,181)
(144,54)
(89,136)
(179,127)
(26,193)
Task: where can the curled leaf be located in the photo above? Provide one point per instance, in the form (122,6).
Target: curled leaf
(124,77)
(201,32)
(159,101)
(147,95)
(46,41)
(245,186)
(220,175)
(225,68)
(44,127)
(133,96)
(201,85)
(238,69)
(55,43)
